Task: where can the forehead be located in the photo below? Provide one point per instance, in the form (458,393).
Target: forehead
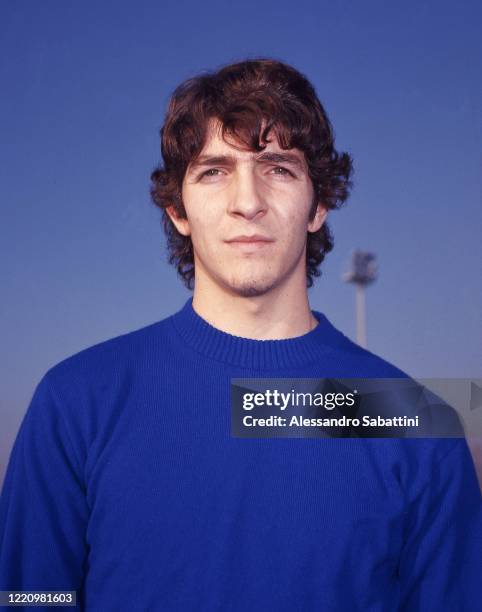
(215,144)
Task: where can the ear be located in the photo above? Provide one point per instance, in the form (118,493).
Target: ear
(319,218)
(182,225)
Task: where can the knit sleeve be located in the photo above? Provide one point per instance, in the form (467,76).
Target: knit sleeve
(43,507)
(441,563)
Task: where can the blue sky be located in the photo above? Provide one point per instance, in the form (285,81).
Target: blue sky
(84,90)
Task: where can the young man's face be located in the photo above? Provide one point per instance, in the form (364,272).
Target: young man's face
(231,195)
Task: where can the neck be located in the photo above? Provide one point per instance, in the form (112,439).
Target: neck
(280,313)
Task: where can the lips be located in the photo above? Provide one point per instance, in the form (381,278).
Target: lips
(250,245)
(250,239)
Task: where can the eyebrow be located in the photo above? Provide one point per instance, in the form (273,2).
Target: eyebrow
(230,160)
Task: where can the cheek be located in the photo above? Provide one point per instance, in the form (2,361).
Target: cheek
(296,207)
(204,234)
(295,225)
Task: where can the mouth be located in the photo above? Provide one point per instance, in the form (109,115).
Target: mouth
(249,246)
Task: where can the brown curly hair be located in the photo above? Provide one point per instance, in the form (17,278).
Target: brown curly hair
(249,99)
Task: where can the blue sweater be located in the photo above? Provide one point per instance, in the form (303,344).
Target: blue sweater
(124,484)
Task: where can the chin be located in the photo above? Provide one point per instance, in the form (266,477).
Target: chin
(251,287)
(250,291)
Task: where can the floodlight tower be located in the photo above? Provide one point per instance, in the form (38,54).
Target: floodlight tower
(363,271)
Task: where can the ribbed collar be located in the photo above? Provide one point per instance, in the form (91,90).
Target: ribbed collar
(208,340)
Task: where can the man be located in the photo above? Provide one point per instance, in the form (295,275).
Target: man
(125,483)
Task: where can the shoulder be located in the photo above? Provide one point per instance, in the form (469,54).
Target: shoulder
(443,433)
(412,397)
(89,390)
(353,358)
(111,357)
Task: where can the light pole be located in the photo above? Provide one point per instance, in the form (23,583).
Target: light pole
(363,271)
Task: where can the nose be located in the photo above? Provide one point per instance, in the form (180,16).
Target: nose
(246,199)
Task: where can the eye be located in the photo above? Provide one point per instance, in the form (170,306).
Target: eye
(280,171)
(212,172)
